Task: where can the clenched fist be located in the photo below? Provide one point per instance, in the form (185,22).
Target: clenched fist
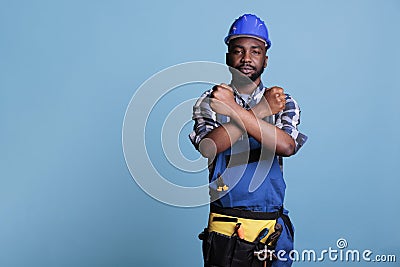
(273,102)
(222,99)
(276,99)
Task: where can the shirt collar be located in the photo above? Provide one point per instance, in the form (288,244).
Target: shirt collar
(259,89)
(254,97)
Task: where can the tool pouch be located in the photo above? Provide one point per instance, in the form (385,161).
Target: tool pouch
(230,251)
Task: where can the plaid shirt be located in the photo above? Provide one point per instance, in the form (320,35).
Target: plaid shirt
(205,119)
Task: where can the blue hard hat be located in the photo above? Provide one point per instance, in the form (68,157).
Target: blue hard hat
(249,25)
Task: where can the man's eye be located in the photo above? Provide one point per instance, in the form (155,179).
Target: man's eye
(256,52)
(237,52)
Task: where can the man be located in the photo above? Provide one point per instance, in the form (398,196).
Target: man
(245,129)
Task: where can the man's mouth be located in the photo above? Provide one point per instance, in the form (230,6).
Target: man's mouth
(246,69)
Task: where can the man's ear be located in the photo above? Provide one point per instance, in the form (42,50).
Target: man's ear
(227,61)
(266,61)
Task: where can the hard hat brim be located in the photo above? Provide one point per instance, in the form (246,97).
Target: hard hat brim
(230,38)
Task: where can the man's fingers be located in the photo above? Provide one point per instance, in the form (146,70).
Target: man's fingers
(222,86)
(215,90)
(275,90)
(226,86)
(213,103)
(216,101)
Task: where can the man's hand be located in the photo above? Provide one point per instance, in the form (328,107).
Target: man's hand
(272,103)
(222,100)
(276,99)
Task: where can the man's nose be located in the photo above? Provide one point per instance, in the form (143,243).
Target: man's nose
(246,57)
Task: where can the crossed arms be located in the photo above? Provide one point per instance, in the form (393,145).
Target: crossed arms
(247,121)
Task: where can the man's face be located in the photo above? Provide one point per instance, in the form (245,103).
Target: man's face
(247,55)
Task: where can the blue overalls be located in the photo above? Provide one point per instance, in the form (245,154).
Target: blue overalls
(256,186)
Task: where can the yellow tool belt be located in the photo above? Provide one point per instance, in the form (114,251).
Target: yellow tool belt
(225,221)
(236,237)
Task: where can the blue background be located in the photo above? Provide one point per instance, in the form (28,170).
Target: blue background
(69,68)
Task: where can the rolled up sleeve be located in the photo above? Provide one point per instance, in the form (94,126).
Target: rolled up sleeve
(288,121)
(204,119)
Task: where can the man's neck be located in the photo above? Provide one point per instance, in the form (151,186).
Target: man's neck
(246,88)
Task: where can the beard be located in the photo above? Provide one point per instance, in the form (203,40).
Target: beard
(256,74)
(241,78)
